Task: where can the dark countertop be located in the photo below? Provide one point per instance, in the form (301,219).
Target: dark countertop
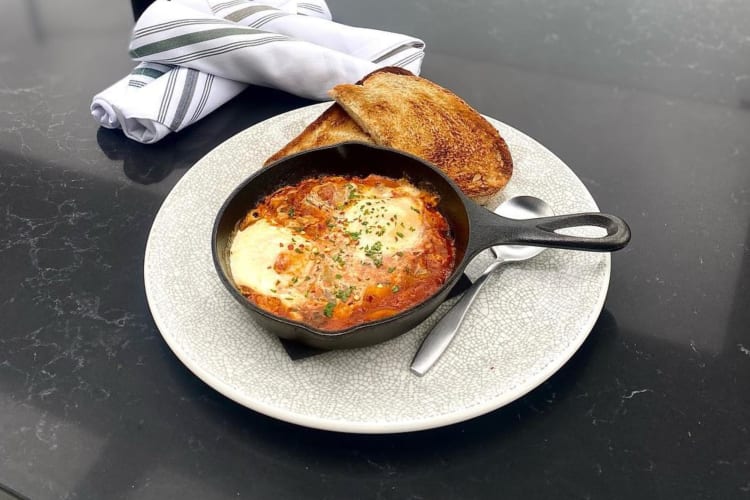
(649,103)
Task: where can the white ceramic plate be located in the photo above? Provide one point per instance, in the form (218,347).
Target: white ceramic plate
(529,320)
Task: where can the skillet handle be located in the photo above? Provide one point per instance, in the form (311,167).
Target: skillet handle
(541,232)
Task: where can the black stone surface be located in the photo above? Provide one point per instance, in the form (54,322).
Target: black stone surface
(648,102)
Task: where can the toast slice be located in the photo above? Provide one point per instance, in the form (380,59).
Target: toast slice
(331,127)
(403,111)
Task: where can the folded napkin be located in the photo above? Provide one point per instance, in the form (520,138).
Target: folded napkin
(195,55)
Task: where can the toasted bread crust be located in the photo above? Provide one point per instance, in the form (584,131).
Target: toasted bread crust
(393,107)
(394,70)
(331,127)
(406,112)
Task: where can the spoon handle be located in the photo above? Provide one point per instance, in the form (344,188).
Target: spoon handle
(437,341)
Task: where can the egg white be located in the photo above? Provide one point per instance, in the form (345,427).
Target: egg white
(394,222)
(252,256)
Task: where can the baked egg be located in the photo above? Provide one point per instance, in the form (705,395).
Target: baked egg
(334,252)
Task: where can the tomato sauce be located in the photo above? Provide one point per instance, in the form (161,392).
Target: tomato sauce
(337,251)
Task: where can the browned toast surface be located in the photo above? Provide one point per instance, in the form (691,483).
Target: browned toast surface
(394,108)
(415,115)
(331,127)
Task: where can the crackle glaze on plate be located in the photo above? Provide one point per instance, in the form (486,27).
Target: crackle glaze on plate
(528,321)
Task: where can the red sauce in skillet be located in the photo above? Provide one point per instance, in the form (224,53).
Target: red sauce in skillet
(335,252)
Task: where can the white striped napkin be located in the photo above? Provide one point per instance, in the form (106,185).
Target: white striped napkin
(195,55)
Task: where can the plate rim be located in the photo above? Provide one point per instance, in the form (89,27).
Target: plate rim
(360,427)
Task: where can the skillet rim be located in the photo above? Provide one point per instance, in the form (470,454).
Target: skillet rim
(334,337)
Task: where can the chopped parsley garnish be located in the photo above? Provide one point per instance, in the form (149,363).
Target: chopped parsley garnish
(354,234)
(376,247)
(344,293)
(328,309)
(395,288)
(374,252)
(290,212)
(399,234)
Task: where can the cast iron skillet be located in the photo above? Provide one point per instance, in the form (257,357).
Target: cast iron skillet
(474,228)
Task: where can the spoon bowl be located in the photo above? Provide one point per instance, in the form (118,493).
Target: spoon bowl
(521,207)
(441,335)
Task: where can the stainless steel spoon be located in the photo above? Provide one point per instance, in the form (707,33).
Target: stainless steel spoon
(437,341)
